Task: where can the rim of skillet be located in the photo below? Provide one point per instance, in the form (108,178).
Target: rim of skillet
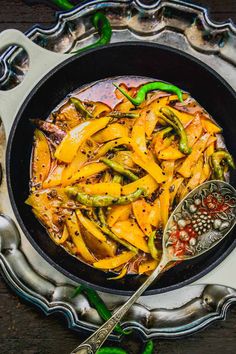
(25,102)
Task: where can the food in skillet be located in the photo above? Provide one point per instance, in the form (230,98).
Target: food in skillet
(105,179)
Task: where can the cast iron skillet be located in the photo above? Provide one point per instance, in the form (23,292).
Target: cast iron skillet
(142,59)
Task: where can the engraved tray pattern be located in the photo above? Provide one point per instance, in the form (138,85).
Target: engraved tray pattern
(174,23)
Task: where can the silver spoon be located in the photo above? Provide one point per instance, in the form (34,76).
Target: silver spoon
(199,222)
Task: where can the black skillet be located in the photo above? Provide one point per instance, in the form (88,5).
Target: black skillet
(143,59)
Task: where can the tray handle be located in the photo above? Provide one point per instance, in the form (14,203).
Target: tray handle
(40,62)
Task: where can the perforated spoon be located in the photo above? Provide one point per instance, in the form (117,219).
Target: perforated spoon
(199,222)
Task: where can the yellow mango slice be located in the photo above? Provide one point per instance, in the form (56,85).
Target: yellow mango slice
(55,177)
(175,184)
(185,118)
(165,204)
(64,236)
(210,127)
(151,121)
(138,132)
(75,234)
(113,189)
(41,158)
(198,148)
(150,166)
(147,266)
(147,182)
(74,166)
(114,262)
(118,212)
(85,172)
(69,146)
(170,153)
(154,217)
(194,131)
(113,131)
(89,225)
(141,210)
(99,248)
(195,179)
(129,231)
(99,108)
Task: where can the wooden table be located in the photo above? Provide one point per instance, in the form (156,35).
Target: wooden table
(26,330)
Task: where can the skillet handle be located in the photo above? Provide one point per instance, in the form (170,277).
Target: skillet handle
(41,61)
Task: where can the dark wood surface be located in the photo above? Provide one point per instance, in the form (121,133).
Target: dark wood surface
(25,329)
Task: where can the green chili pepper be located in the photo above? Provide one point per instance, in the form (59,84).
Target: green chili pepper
(117,114)
(63,4)
(119,168)
(117,179)
(96,301)
(149,347)
(111,350)
(216,159)
(80,107)
(102,25)
(102,200)
(174,121)
(155,253)
(105,229)
(151,86)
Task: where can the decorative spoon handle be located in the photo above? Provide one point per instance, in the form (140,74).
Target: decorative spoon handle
(94,342)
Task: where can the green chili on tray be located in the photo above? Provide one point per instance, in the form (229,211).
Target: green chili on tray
(111,350)
(151,86)
(102,200)
(119,169)
(216,160)
(149,347)
(174,121)
(63,4)
(96,301)
(103,26)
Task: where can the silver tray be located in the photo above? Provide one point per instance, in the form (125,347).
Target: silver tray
(177,313)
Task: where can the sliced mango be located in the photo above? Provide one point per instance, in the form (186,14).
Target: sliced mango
(89,225)
(76,236)
(69,146)
(117,213)
(129,231)
(113,131)
(141,210)
(41,158)
(114,262)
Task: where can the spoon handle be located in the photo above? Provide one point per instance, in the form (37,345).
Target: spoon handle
(94,342)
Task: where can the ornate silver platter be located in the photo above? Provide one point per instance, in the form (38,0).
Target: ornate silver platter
(184,311)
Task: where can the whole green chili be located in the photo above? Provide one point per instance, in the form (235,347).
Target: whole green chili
(151,86)
(119,169)
(63,4)
(216,160)
(102,25)
(102,200)
(105,229)
(155,253)
(96,301)
(111,350)
(149,347)
(80,107)
(117,179)
(117,114)
(174,121)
